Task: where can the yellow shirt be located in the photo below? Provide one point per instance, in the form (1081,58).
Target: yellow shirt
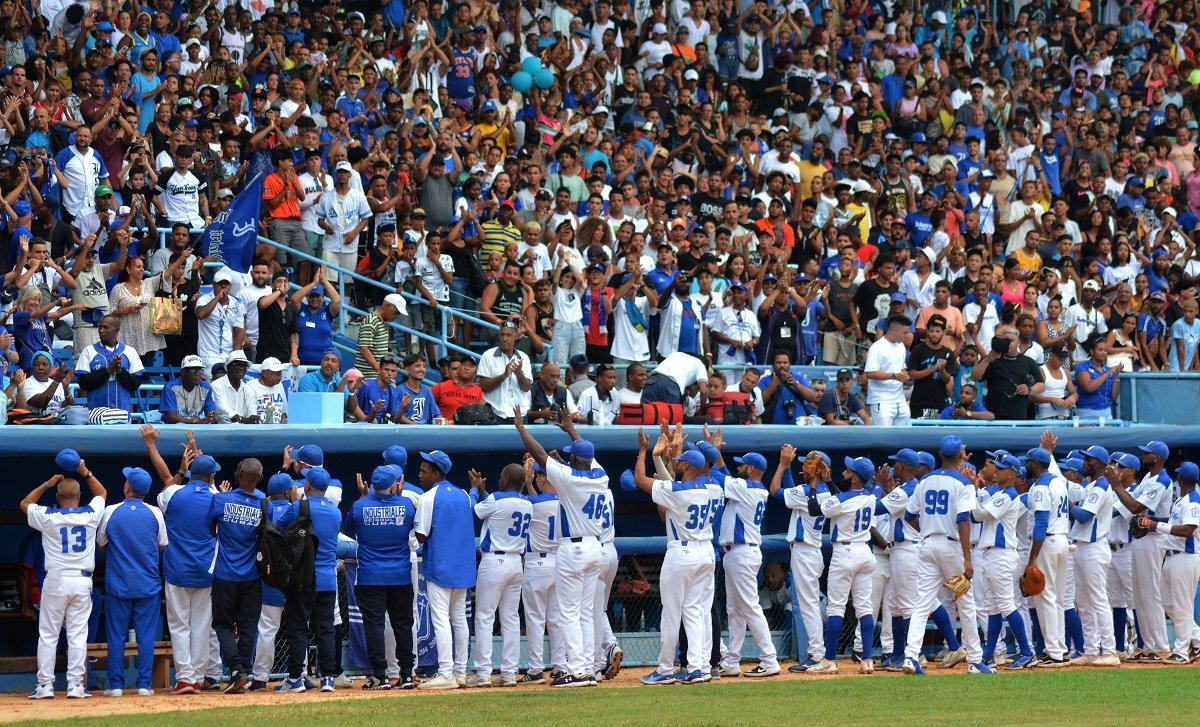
(503,139)
(1030,262)
(808,172)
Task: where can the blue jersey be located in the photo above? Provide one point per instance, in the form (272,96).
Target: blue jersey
(236,516)
(461,81)
(326,524)
(445,516)
(132,533)
(381,524)
(421,409)
(188,559)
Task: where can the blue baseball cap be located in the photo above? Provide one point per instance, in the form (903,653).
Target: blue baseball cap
(1097,452)
(438,459)
(1075,454)
(906,456)
(488,105)
(898,298)
(952,445)
(1136,182)
(204,465)
(927,460)
(581,449)
(1128,461)
(753,460)
(67,459)
(280,483)
(917,138)
(711,453)
(396,455)
(1156,448)
(316,478)
(860,466)
(996,454)
(693,458)
(138,479)
(383,477)
(1008,462)
(310,455)
(1040,455)
(1188,472)
(627,482)
(1071,465)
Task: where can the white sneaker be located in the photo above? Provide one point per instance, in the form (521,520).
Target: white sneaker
(1106,660)
(478,680)
(507,680)
(42,691)
(730,670)
(460,678)
(78,692)
(954,657)
(866,666)
(342,681)
(144,692)
(114,692)
(762,671)
(439,682)
(1084,660)
(824,666)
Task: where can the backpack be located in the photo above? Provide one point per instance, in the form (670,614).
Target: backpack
(475,414)
(649,414)
(286,560)
(730,407)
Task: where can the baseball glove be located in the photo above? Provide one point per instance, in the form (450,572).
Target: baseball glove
(1033,581)
(958,584)
(1135,527)
(812,466)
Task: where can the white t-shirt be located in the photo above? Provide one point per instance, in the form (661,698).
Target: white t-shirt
(682,368)
(33,387)
(883,355)
(738,325)
(215,333)
(314,187)
(986,326)
(273,395)
(432,277)
(567,307)
(627,342)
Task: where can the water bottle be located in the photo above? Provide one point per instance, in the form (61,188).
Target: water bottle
(270,414)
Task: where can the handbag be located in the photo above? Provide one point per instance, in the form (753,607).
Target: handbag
(166,318)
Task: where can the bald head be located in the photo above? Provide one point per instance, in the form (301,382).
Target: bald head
(512,477)
(68,489)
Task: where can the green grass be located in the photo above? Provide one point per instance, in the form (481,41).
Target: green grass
(1092,697)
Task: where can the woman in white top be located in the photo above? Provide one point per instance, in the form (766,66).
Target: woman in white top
(567,338)
(1122,344)
(1058,399)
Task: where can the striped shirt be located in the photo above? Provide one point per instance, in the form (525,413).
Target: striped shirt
(375,337)
(495,236)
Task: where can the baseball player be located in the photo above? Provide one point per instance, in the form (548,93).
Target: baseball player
(608,652)
(741,541)
(850,514)
(1120,570)
(538,582)
(69,540)
(712,619)
(585,507)
(997,508)
(505,515)
(1091,519)
(396,457)
(687,572)
(1181,563)
(132,533)
(380,521)
(187,565)
(881,579)
(281,491)
(1152,498)
(445,526)
(941,506)
(804,532)
(1047,498)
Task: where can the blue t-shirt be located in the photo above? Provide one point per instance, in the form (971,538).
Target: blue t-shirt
(314,382)
(327,522)
(689,330)
(948,412)
(1190,335)
(450,549)
(381,524)
(132,551)
(1101,398)
(169,400)
(191,546)
(422,409)
(141,86)
(315,333)
(373,391)
(236,515)
(919,228)
(778,413)
(31,336)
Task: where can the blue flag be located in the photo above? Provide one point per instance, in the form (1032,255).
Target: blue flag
(233,234)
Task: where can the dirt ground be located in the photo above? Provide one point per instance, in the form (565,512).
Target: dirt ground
(15,708)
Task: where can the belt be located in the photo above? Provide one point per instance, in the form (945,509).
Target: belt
(583,539)
(730,546)
(497,552)
(1176,552)
(537,555)
(994,547)
(1117,546)
(686,543)
(75,572)
(947,537)
(898,543)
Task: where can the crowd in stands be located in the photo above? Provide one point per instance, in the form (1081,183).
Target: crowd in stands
(980,209)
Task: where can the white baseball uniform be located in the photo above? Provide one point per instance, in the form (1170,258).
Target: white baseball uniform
(686,579)
(1093,557)
(505,517)
(905,557)
(584,506)
(537,590)
(940,501)
(852,566)
(804,532)
(881,580)
(1181,572)
(1048,494)
(609,560)
(741,541)
(69,541)
(1154,492)
(997,511)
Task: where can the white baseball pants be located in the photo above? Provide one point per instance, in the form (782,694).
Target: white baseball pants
(851,574)
(541,612)
(269,620)
(881,607)
(578,566)
(1147,592)
(994,574)
(742,563)
(600,624)
(1181,572)
(1052,560)
(1120,577)
(498,588)
(448,613)
(905,564)
(686,586)
(66,600)
(1092,562)
(941,558)
(806,565)
(189,619)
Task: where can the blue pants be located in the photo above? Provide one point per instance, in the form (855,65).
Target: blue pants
(142,615)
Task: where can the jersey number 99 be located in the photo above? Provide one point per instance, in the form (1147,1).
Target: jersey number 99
(937,502)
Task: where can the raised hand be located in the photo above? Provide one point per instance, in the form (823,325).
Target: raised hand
(643,440)
(362,485)
(149,434)
(477,480)
(787,455)
(1048,441)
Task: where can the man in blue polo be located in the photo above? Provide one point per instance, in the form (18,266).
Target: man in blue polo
(280,492)
(445,525)
(187,564)
(132,533)
(237,589)
(381,521)
(312,610)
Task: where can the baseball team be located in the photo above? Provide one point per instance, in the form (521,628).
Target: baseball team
(913,540)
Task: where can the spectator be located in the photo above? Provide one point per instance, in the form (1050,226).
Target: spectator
(314,318)
(505,375)
(579,376)
(84,171)
(1185,337)
(459,390)
(31,321)
(432,275)
(550,401)
(1011,379)
(421,407)
(271,404)
(343,214)
(954,327)
(967,406)
(236,400)
(748,384)
(788,397)
(636,377)
(379,399)
(887,373)
(47,389)
(90,292)
(675,374)
(841,407)
(736,331)
(1086,318)
(1152,339)
(283,192)
(629,327)
(181,195)
(188,399)
(222,320)
(276,320)
(1057,400)
(680,321)
(1097,382)
(375,335)
(931,368)
(599,405)
(108,370)
(130,300)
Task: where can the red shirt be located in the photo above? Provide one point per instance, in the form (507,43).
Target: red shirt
(450,396)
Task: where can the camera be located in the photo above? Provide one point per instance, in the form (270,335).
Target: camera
(1001,345)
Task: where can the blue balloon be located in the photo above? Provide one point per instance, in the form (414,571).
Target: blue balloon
(544,78)
(522,81)
(531,65)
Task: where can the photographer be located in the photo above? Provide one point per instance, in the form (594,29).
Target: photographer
(1011,378)
(786,397)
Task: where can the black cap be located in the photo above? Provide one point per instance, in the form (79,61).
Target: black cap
(844,374)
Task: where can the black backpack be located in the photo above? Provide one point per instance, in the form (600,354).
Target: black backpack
(286,560)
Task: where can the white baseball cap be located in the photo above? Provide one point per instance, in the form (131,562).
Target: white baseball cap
(192,362)
(659,28)
(343,166)
(237,357)
(273,364)
(398,301)
(224,275)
